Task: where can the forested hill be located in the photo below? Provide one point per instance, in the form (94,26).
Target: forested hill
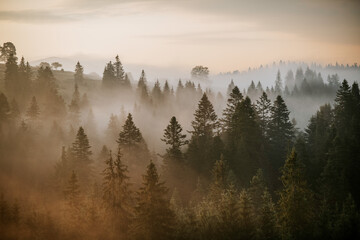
(122,159)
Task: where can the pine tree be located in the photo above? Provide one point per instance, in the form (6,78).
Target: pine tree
(24,79)
(278,84)
(119,71)
(235,97)
(72,192)
(296,201)
(156,93)
(153,217)
(267,219)
(246,215)
(11,75)
(220,179)
(130,135)
(263,109)
(33,110)
(142,90)
(81,154)
(281,132)
(109,78)
(74,107)
(245,145)
(175,139)
(205,123)
(79,73)
(200,155)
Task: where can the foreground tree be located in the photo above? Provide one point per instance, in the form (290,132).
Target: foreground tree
(296,213)
(153,217)
(200,155)
(117,194)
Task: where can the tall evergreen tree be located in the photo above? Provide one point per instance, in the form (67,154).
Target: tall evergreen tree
(296,213)
(130,135)
(81,153)
(263,109)
(119,71)
(153,217)
(235,97)
(245,146)
(202,141)
(175,139)
(278,84)
(11,75)
(72,192)
(79,73)
(281,132)
(74,107)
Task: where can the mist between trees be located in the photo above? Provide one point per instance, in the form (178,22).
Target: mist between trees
(120,159)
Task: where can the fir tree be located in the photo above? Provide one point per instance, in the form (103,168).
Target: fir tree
(74,107)
(119,71)
(81,154)
(79,73)
(281,132)
(235,97)
(278,84)
(72,192)
(175,139)
(130,135)
(11,75)
(295,204)
(153,217)
(200,155)
(263,109)
(142,89)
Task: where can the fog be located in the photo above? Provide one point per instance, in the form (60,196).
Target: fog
(65,133)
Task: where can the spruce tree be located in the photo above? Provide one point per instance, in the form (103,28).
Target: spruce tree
(200,155)
(246,215)
(142,89)
(175,139)
(74,107)
(281,132)
(109,78)
(278,84)
(235,97)
(79,73)
(153,217)
(245,145)
(81,153)
(119,71)
(296,213)
(72,192)
(263,109)
(130,135)
(11,75)
(116,192)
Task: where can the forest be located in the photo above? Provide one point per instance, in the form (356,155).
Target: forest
(119,158)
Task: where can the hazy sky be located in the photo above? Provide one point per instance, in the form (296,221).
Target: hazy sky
(224,35)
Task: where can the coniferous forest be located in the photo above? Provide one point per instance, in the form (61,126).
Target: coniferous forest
(124,158)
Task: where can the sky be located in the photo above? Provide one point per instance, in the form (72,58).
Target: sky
(224,35)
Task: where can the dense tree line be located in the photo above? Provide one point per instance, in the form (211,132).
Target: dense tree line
(244,172)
